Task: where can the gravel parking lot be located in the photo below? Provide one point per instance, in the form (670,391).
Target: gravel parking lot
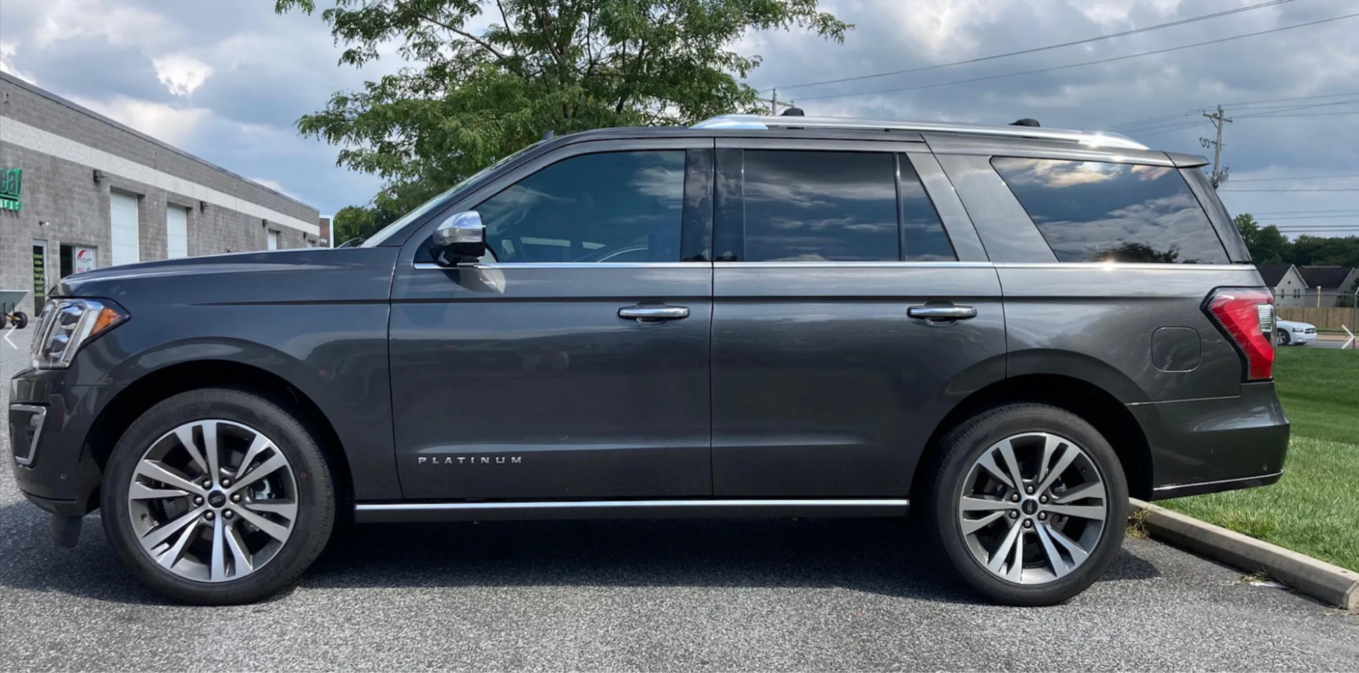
(643,595)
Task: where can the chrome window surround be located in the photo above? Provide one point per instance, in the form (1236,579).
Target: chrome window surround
(759,122)
(39,413)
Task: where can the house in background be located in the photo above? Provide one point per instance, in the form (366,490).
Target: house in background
(1287,284)
(1326,284)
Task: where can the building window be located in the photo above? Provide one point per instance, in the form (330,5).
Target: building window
(76,259)
(1297,293)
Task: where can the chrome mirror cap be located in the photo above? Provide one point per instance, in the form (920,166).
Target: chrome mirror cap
(461,229)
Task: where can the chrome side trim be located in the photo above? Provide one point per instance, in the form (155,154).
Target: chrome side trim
(847,265)
(851,265)
(41,415)
(759,122)
(1211,486)
(1123,266)
(605,504)
(567,265)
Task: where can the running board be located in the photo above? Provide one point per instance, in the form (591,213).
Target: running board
(626,509)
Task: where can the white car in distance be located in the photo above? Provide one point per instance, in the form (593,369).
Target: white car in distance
(1289,333)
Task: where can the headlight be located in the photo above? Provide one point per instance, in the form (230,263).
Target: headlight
(1299,329)
(67,324)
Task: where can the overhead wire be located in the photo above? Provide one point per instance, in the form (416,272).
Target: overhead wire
(1035,50)
(1082,64)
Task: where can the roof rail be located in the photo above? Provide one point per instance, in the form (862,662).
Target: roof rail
(759,122)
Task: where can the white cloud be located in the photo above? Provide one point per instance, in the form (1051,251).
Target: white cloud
(181,74)
(120,25)
(273,184)
(168,124)
(7,63)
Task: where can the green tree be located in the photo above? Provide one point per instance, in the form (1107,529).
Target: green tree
(1325,251)
(467,98)
(1267,245)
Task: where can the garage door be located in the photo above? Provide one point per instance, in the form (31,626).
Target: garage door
(176,232)
(123,234)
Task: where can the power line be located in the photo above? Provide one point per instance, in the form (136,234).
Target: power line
(1309,114)
(1312,218)
(1035,50)
(1181,127)
(1306,212)
(1308,177)
(1078,65)
(1327,189)
(1237,104)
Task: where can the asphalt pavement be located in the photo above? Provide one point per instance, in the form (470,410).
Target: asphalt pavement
(643,595)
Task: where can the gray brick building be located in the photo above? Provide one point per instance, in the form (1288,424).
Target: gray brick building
(81,191)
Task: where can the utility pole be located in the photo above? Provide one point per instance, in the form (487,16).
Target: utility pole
(774,101)
(1219,173)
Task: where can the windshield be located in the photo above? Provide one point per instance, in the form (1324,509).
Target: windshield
(387,231)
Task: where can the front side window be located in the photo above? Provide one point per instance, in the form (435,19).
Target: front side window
(805,206)
(594,208)
(1093,211)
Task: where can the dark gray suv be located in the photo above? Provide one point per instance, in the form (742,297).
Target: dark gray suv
(1009,329)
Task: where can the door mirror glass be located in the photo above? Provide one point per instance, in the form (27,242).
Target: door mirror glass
(460,239)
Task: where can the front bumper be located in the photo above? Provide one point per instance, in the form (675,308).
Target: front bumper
(51,462)
(1302,337)
(1217,444)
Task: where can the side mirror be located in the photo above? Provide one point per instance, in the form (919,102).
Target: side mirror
(460,239)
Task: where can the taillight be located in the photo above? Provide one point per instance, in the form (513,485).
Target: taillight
(1246,316)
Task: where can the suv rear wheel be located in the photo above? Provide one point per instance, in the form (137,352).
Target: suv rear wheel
(217,496)
(1029,504)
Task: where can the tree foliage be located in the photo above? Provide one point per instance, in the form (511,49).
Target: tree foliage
(469,96)
(1268,245)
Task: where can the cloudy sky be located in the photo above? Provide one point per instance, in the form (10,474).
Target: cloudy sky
(227,81)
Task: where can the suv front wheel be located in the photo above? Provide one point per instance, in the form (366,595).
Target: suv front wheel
(217,496)
(1029,504)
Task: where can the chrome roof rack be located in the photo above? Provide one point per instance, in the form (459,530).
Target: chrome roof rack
(759,122)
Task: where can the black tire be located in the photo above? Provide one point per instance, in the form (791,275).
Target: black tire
(1281,338)
(965,444)
(315,494)
(20,320)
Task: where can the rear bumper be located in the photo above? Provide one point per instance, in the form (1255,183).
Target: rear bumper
(1219,444)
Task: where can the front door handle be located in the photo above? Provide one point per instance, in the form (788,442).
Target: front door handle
(941,314)
(653,313)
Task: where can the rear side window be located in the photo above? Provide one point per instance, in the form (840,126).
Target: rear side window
(820,206)
(1093,211)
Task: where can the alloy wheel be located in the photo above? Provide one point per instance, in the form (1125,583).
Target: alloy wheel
(1033,508)
(213,500)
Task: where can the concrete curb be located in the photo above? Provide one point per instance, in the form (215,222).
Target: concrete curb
(1330,584)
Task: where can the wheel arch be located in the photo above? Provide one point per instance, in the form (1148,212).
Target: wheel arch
(142,394)
(1091,402)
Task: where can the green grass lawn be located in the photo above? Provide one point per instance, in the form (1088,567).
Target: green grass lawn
(1314,509)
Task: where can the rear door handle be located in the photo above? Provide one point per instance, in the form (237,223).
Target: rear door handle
(941,313)
(653,313)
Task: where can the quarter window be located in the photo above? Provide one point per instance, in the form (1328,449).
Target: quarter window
(612,207)
(922,233)
(1091,211)
(820,206)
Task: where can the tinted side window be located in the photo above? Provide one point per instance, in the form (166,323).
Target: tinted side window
(614,207)
(1091,211)
(923,238)
(820,206)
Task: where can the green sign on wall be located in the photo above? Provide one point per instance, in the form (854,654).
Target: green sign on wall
(11,184)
